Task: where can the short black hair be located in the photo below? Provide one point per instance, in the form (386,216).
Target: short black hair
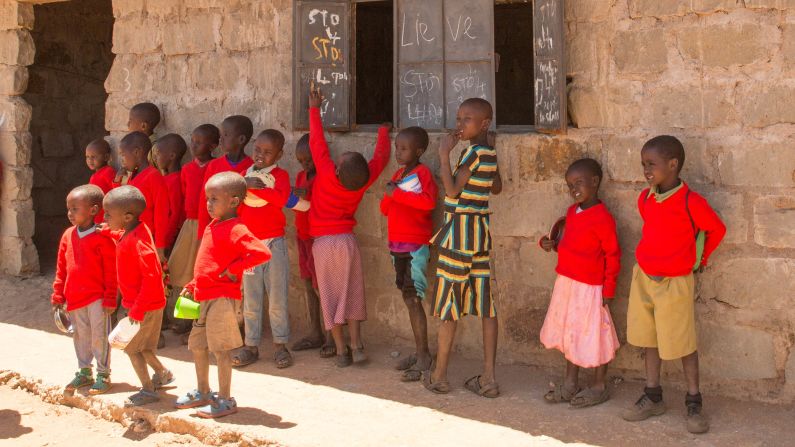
(303,143)
(417,135)
(481,104)
(274,135)
(228,181)
(100,143)
(353,171)
(91,193)
(175,142)
(128,198)
(211,131)
(669,147)
(137,139)
(147,112)
(588,165)
(242,125)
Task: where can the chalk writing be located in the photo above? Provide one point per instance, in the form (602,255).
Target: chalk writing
(418,82)
(544,40)
(418,36)
(128,84)
(425,115)
(455,34)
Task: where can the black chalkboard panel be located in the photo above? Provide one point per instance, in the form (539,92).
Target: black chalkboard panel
(550,71)
(420,31)
(469,25)
(467,80)
(421,95)
(321,55)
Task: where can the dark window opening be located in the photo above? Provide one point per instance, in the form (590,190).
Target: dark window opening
(374,41)
(513,43)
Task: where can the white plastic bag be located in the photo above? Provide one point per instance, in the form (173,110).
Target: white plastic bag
(123,333)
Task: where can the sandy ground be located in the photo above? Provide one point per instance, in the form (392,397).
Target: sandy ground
(315,404)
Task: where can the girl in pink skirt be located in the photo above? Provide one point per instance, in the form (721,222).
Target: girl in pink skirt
(578,322)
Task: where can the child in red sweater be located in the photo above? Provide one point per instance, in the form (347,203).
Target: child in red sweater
(236,132)
(204,140)
(226,251)
(85,281)
(408,204)
(97,159)
(318,337)
(171,149)
(143,117)
(578,321)
(336,194)
(261,212)
(140,280)
(661,313)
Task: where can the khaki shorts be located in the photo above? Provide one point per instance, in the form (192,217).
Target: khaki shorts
(183,256)
(216,329)
(662,315)
(147,337)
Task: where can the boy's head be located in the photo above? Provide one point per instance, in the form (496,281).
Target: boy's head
(144,117)
(303,154)
(133,150)
(170,150)
(268,148)
(97,154)
(123,206)
(662,158)
(203,141)
(473,118)
(410,144)
(83,204)
(353,171)
(225,191)
(236,131)
(583,179)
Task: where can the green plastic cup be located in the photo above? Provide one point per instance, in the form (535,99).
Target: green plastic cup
(186,308)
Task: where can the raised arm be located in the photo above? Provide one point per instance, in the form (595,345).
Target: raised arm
(453,185)
(383,147)
(318,145)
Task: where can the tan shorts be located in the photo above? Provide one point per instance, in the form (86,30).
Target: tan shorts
(147,337)
(216,329)
(662,315)
(183,256)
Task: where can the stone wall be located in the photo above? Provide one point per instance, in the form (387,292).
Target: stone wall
(716,73)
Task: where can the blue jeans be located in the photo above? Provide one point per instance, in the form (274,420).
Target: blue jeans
(272,278)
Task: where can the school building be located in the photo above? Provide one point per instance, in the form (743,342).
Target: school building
(568,79)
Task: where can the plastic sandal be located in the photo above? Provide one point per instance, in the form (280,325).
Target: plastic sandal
(344,360)
(161,380)
(307,343)
(589,397)
(328,351)
(142,397)
(218,408)
(83,378)
(560,394)
(245,355)
(283,359)
(101,385)
(490,390)
(195,399)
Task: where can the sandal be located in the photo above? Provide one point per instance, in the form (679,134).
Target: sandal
(411,375)
(406,362)
(307,343)
(440,387)
(358,355)
(245,355)
(328,351)
(341,361)
(283,358)
(589,397)
(161,380)
(195,399)
(560,394)
(490,390)
(142,397)
(218,408)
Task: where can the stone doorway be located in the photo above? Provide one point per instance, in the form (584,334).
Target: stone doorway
(66,92)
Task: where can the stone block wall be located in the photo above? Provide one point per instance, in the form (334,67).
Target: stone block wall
(716,73)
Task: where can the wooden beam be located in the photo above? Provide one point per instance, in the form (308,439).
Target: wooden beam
(40,2)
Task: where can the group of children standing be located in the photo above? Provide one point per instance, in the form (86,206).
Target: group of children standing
(217,224)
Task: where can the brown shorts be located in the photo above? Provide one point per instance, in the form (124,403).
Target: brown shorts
(216,329)
(147,337)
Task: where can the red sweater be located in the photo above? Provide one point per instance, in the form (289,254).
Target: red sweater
(589,251)
(103,178)
(268,221)
(226,245)
(302,217)
(86,270)
(139,272)
(220,164)
(667,246)
(192,179)
(409,213)
(176,215)
(156,215)
(333,206)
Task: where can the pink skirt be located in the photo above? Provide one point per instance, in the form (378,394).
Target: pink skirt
(338,265)
(578,325)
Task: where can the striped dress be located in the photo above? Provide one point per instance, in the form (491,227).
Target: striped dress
(463,276)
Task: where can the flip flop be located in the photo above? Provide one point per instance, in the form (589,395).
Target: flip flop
(589,397)
(559,394)
(245,355)
(283,359)
(490,390)
(307,343)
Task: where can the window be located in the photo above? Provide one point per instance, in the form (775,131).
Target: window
(414,61)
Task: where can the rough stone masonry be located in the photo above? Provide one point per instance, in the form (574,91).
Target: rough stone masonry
(719,74)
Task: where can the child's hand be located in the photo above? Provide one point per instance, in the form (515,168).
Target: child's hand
(56,306)
(254,183)
(315,96)
(606,301)
(229,275)
(120,174)
(547,244)
(449,141)
(300,192)
(109,310)
(390,188)
(186,293)
(133,320)
(491,138)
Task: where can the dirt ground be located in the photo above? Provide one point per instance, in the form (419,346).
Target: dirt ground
(315,404)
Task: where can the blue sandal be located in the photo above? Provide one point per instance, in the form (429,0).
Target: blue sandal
(142,397)
(218,408)
(195,399)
